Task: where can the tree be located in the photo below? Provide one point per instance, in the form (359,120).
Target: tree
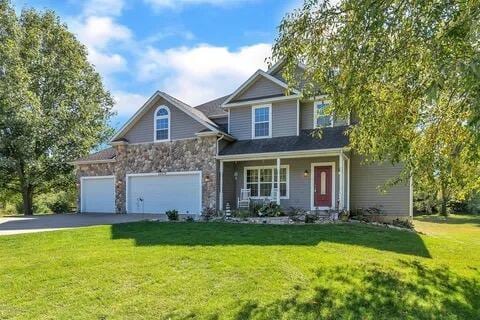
(408,72)
(53,107)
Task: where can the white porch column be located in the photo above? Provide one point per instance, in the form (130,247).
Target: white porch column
(278,181)
(220,196)
(348,184)
(342,174)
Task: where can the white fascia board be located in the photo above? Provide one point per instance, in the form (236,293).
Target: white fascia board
(260,101)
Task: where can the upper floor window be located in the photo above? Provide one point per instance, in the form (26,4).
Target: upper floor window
(320,118)
(162,124)
(262,121)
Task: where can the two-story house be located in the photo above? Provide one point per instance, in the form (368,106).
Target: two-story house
(170,155)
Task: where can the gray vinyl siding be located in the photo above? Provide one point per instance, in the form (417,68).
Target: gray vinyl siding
(299,186)
(307,114)
(365,180)
(284,120)
(263,87)
(182,125)
(241,122)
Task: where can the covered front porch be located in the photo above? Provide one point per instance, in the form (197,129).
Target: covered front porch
(313,180)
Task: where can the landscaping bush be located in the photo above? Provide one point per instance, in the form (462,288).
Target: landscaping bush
(271,209)
(60,205)
(242,214)
(172,215)
(255,208)
(344,215)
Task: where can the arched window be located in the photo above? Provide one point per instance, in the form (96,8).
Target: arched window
(162,124)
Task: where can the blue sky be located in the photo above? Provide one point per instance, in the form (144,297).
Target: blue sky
(195,50)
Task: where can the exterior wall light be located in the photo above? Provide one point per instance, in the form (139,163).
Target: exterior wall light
(305,173)
(207,178)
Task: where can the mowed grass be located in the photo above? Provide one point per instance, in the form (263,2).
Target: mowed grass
(151,270)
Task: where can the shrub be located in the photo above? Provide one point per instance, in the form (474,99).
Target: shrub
(271,209)
(172,215)
(344,215)
(189,219)
(60,205)
(255,208)
(242,214)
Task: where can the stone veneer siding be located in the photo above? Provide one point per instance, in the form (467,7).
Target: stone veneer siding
(196,154)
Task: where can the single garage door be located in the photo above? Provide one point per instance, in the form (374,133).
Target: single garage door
(157,193)
(97,194)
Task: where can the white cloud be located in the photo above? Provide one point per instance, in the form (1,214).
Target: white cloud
(127,103)
(204,72)
(173,4)
(106,63)
(103,7)
(98,32)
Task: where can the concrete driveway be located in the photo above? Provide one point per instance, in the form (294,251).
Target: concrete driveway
(17,225)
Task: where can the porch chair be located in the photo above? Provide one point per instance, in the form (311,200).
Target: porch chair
(244,200)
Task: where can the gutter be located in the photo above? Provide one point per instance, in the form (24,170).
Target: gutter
(92,161)
(283,154)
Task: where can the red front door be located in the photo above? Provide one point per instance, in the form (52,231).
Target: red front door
(322,186)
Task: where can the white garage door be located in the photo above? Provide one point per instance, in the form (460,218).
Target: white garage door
(97,194)
(180,191)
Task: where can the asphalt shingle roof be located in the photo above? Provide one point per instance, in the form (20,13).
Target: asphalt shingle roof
(331,138)
(105,154)
(213,108)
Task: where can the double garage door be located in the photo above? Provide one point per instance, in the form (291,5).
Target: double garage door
(146,193)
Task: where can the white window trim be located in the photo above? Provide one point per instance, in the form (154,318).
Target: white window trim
(315,116)
(312,185)
(286,166)
(155,117)
(270,125)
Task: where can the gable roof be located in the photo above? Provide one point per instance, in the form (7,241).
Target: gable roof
(250,81)
(279,65)
(192,112)
(213,108)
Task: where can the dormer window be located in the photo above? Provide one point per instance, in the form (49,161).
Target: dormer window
(262,121)
(162,124)
(320,118)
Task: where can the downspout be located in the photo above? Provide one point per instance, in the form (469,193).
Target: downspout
(219,191)
(218,140)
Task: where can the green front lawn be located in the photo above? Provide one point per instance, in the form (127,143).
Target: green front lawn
(225,271)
